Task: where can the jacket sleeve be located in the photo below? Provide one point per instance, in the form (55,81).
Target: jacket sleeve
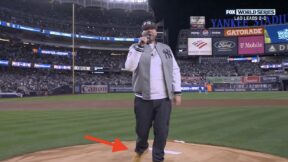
(176,82)
(133,57)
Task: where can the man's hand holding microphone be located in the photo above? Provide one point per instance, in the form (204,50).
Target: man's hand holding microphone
(144,39)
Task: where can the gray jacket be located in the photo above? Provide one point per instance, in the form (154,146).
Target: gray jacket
(139,60)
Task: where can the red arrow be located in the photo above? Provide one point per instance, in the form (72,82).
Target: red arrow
(117,144)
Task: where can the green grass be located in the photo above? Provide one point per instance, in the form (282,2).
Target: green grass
(129,96)
(262,129)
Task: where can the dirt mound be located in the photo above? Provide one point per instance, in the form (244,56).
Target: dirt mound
(175,152)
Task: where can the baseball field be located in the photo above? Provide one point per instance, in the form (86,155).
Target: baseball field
(256,121)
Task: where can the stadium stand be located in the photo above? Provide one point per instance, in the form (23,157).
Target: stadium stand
(58,17)
(109,61)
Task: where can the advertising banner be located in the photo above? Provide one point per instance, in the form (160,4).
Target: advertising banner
(276,48)
(232,32)
(200,33)
(114,89)
(224,79)
(21,64)
(271,66)
(225,46)
(4,62)
(62,67)
(191,88)
(220,87)
(199,46)
(269,79)
(197,21)
(94,89)
(285,64)
(251,45)
(82,68)
(250,79)
(42,66)
(277,33)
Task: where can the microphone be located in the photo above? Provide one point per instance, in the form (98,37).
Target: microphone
(142,42)
(148,36)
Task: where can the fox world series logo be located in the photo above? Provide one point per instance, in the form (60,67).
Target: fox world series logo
(250,17)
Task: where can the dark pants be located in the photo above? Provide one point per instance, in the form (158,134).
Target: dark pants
(148,112)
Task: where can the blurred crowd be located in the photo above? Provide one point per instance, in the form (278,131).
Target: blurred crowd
(58,17)
(37,81)
(84,57)
(193,71)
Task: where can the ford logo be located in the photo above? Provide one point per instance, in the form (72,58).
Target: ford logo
(225,44)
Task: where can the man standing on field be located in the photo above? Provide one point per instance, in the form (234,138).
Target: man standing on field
(156,81)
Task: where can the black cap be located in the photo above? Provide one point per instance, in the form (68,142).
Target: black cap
(148,24)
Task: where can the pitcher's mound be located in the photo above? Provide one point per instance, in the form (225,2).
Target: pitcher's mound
(175,152)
